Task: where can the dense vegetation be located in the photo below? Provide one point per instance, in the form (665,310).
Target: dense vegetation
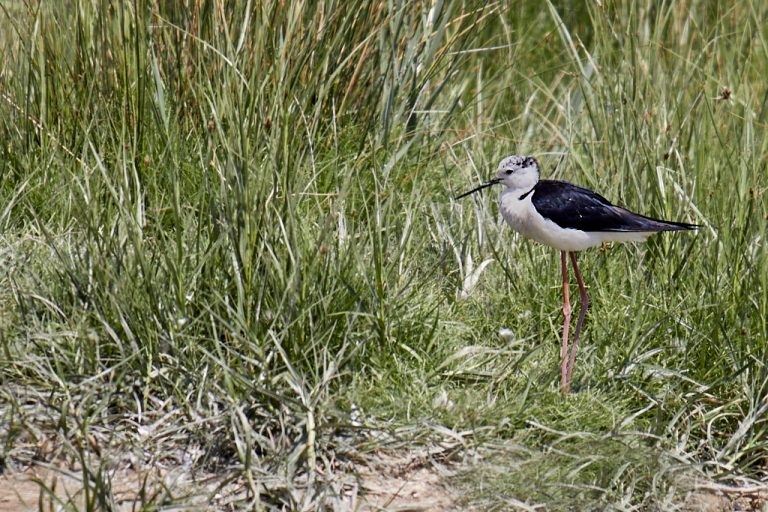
(228,231)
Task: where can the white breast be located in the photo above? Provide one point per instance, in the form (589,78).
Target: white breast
(523,218)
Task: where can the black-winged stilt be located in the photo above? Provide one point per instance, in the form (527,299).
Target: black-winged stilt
(569,218)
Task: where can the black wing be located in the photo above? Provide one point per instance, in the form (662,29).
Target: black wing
(571,206)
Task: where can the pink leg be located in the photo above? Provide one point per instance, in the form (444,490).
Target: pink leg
(566,324)
(580,322)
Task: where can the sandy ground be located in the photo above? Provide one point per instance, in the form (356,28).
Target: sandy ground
(46,488)
(390,481)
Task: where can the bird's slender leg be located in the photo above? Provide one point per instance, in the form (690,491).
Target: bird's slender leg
(580,322)
(566,324)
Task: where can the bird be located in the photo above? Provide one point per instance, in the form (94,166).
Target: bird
(568,218)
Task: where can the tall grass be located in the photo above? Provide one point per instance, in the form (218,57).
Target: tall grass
(229,231)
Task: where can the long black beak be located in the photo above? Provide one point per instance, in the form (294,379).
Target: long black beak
(481,187)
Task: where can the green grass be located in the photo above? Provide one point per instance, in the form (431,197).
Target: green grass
(231,232)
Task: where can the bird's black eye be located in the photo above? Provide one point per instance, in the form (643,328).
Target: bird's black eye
(509,171)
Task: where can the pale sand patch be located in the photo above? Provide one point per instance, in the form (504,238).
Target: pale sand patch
(407,481)
(392,481)
(49,487)
(387,480)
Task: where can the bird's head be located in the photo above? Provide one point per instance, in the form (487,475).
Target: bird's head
(517,172)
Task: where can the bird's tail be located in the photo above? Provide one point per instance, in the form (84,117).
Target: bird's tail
(670,225)
(636,222)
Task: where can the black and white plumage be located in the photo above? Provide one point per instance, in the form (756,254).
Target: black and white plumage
(569,218)
(573,207)
(566,216)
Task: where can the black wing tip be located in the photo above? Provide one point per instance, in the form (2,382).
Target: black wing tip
(666,225)
(657,227)
(681,226)
(643,222)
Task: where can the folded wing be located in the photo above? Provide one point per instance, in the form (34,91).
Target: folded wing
(571,206)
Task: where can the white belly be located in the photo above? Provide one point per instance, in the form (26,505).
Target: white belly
(523,218)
